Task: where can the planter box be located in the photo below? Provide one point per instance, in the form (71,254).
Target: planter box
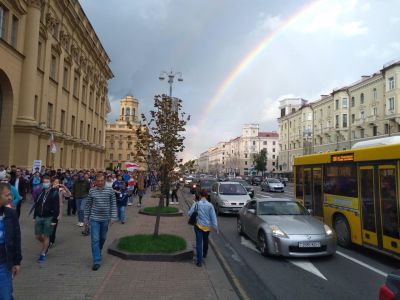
(182,255)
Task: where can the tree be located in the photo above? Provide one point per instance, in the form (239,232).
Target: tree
(159,139)
(260,161)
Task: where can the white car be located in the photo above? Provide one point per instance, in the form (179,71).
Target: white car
(272,185)
(228,197)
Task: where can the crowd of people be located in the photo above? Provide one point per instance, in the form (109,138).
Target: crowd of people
(97,199)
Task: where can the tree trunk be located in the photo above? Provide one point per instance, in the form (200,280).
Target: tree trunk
(157,225)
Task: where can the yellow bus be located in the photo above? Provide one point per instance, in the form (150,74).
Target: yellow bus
(356,192)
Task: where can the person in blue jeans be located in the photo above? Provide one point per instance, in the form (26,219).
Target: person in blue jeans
(206,220)
(10,244)
(122,201)
(100,212)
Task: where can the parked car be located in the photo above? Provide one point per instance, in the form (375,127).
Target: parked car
(272,185)
(284,227)
(188,181)
(256,180)
(390,290)
(206,184)
(247,186)
(228,197)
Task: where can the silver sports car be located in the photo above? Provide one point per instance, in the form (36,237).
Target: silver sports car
(284,227)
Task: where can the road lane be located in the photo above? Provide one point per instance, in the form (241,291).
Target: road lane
(280,278)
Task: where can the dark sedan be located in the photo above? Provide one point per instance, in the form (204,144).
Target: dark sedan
(246,185)
(206,184)
(256,180)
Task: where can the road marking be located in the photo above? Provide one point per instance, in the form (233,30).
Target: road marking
(301,263)
(362,264)
(307,266)
(263,196)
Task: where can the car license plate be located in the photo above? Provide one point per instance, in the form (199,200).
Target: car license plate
(309,244)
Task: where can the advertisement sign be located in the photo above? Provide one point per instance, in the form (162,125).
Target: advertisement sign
(37,164)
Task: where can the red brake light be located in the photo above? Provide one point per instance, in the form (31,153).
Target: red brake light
(385,293)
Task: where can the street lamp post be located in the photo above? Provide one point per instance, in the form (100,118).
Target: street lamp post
(171,76)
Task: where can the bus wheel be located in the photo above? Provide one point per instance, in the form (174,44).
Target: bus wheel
(343,233)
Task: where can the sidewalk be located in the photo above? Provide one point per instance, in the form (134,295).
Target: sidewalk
(67,273)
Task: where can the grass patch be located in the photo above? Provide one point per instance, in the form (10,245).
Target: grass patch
(164,210)
(144,243)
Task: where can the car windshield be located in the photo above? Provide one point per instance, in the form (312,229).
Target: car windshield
(281,208)
(273,180)
(232,189)
(207,183)
(244,183)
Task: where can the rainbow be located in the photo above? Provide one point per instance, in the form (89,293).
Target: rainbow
(250,57)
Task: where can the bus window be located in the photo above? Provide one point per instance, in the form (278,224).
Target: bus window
(387,184)
(367,199)
(341,180)
(307,189)
(317,193)
(299,182)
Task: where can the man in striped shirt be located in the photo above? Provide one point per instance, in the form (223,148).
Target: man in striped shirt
(100,212)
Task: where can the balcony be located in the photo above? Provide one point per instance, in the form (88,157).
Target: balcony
(359,122)
(372,120)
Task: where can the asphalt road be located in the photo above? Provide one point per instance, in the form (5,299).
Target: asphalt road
(354,273)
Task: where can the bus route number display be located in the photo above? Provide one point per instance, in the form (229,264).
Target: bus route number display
(342,157)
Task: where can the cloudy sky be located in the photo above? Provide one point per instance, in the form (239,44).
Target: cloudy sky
(304,49)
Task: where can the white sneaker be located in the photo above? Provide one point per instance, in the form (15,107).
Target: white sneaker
(129,204)
(80,224)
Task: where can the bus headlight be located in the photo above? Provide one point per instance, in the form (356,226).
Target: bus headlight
(328,230)
(277,232)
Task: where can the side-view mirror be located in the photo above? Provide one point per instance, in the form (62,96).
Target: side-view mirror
(252,211)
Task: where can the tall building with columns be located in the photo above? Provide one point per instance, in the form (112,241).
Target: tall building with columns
(121,135)
(53,82)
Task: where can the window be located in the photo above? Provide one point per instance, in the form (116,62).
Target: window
(128,156)
(100,137)
(35,107)
(245,155)
(254,143)
(374,94)
(337,121)
(111,156)
(390,104)
(299,182)
(362,115)
(362,133)
(264,143)
(344,120)
(53,67)
(344,103)
(49,115)
(353,134)
(273,156)
(39,58)
(62,121)
(120,156)
(94,134)
(84,93)
(120,146)
(129,146)
(81,133)
(273,143)
(245,163)
(66,77)
(14,31)
(337,104)
(391,83)
(386,128)
(375,130)
(388,197)
(353,118)
(273,163)
(362,98)
(88,133)
(111,145)
(273,149)
(91,99)
(353,102)
(73,125)
(375,111)
(3,19)
(76,85)
(341,180)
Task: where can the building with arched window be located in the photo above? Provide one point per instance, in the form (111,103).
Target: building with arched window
(54,76)
(121,135)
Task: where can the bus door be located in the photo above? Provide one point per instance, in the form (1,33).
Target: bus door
(307,189)
(389,210)
(317,200)
(368,201)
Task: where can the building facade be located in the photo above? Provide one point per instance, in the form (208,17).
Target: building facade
(236,155)
(121,136)
(366,109)
(54,76)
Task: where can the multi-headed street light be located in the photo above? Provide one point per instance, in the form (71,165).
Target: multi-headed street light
(171,76)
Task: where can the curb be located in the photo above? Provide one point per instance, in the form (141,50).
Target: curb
(163,257)
(241,293)
(177,214)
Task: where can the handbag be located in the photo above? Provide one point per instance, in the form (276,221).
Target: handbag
(193,217)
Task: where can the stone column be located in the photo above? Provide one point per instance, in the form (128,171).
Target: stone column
(29,69)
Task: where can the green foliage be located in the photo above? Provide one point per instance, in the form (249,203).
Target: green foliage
(163,210)
(260,161)
(145,243)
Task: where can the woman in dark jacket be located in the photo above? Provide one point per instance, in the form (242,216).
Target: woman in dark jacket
(10,243)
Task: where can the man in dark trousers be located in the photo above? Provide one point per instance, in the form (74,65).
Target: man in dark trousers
(10,244)
(21,185)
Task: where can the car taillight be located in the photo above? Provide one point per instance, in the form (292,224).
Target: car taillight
(385,293)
